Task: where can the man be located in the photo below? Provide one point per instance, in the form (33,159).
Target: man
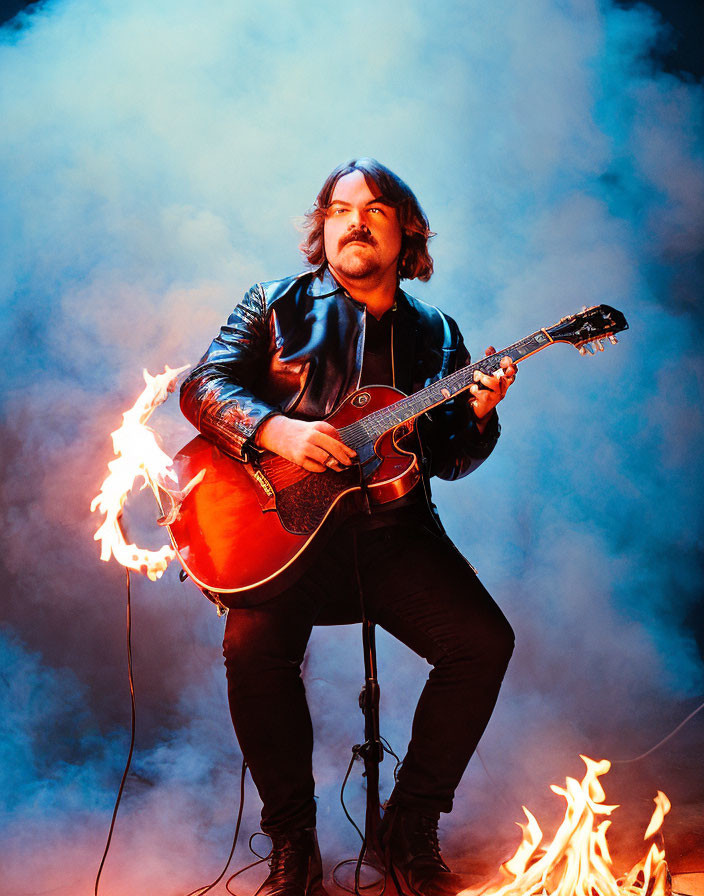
(289,354)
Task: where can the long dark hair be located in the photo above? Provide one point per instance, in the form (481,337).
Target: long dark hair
(414,259)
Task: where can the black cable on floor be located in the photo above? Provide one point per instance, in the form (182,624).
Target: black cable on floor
(388,749)
(199,891)
(663,741)
(355,755)
(132,731)
(259,861)
(359,861)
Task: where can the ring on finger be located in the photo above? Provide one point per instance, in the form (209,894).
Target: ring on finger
(330,462)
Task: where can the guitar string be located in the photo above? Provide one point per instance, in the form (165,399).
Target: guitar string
(396,413)
(374,425)
(371,427)
(382,420)
(359,433)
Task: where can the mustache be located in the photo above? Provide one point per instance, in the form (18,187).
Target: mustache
(361,236)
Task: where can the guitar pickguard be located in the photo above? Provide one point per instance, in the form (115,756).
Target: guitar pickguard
(303,505)
(302,499)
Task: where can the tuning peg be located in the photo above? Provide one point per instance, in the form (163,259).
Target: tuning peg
(582,350)
(599,343)
(612,339)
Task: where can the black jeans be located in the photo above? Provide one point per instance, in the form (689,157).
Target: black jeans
(419,588)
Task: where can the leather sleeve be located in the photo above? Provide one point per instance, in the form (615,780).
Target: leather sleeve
(452,441)
(218,397)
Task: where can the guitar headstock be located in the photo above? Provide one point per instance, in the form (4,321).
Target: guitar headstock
(588,329)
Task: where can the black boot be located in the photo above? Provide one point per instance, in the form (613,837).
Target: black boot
(295,866)
(409,840)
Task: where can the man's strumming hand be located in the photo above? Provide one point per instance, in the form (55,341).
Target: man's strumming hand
(314,445)
(488,391)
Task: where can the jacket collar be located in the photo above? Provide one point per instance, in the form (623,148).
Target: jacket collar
(406,303)
(324,284)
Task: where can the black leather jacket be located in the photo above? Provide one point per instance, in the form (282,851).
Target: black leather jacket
(296,346)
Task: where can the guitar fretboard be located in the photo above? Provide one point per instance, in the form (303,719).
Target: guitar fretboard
(385,419)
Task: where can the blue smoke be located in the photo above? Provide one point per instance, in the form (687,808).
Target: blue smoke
(157,159)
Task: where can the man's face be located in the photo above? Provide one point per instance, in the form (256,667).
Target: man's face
(361,232)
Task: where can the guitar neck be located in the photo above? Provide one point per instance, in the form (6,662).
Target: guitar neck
(382,421)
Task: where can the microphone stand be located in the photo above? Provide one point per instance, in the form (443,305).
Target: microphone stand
(372,750)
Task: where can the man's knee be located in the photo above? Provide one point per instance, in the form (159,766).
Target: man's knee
(489,642)
(505,642)
(497,640)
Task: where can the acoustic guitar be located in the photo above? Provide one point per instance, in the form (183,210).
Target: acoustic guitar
(245,530)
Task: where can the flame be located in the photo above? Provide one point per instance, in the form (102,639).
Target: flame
(137,454)
(577,862)
(662,807)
